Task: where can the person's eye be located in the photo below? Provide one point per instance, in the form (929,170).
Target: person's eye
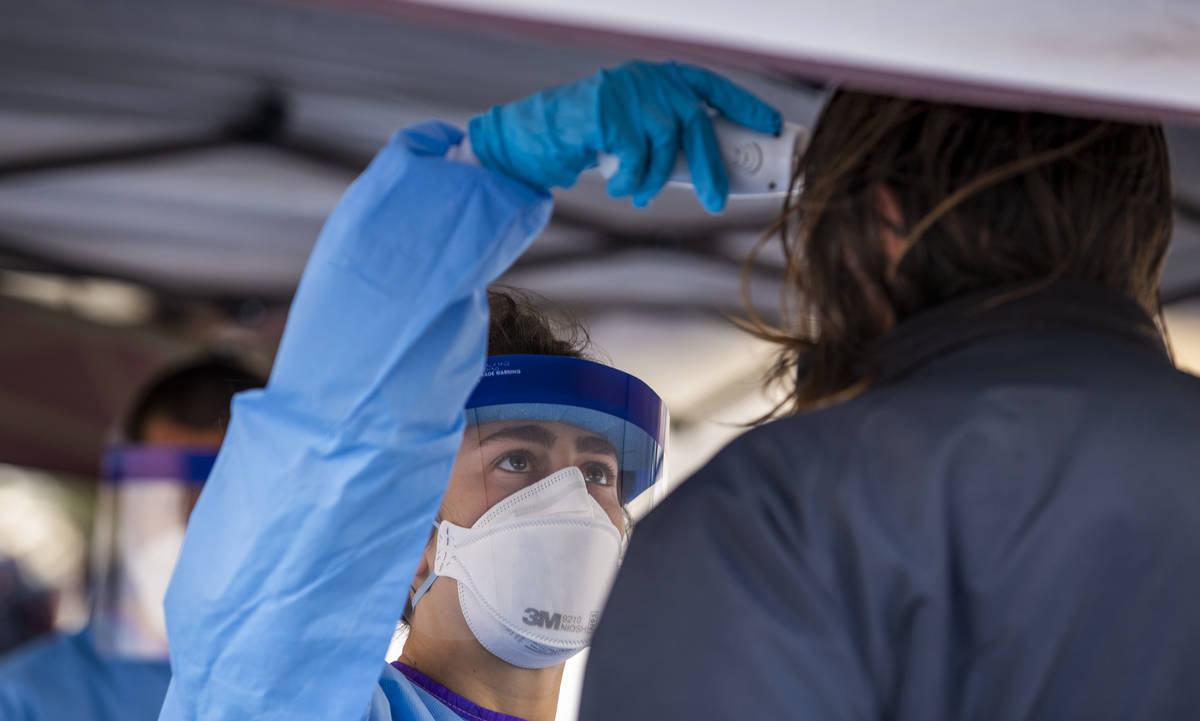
(516,462)
(600,474)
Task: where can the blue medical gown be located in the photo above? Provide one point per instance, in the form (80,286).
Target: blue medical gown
(301,551)
(64,677)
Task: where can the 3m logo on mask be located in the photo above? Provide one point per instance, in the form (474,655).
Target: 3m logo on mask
(559,622)
(534,617)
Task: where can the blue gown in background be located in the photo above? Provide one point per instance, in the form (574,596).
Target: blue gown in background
(64,678)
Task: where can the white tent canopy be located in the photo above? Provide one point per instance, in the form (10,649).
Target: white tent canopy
(1129,58)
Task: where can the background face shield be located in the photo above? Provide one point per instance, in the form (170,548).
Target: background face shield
(554,447)
(145,497)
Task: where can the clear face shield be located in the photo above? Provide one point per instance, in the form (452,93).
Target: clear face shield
(145,497)
(535,518)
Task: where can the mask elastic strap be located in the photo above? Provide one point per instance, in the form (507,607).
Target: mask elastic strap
(424,587)
(428,579)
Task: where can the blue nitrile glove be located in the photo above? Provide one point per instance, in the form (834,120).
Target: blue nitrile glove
(640,112)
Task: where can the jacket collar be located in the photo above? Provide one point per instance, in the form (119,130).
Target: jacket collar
(1062,305)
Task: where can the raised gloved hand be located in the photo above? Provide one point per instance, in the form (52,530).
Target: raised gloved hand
(640,112)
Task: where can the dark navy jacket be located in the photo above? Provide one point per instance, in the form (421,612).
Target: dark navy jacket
(1006,527)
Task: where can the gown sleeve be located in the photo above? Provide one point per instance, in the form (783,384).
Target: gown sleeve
(300,553)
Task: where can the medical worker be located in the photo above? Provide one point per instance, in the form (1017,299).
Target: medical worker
(386,470)
(983,501)
(116,667)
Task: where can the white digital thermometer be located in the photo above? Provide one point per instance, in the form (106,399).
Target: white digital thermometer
(757,164)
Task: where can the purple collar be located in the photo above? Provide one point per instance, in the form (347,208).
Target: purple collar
(459,705)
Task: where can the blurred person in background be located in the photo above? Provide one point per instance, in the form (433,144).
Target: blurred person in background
(116,667)
(981,499)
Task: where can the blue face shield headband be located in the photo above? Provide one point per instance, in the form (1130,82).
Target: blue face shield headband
(133,462)
(592,396)
(145,496)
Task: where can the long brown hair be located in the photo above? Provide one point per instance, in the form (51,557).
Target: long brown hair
(988,198)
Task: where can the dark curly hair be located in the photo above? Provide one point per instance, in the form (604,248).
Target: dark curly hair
(524,323)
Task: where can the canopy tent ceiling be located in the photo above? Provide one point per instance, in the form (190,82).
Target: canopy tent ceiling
(155,140)
(195,148)
(1104,56)
(158,140)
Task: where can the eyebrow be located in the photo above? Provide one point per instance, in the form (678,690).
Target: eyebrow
(529,434)
(596,444)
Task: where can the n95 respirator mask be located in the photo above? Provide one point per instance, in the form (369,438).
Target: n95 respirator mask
(534,571)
